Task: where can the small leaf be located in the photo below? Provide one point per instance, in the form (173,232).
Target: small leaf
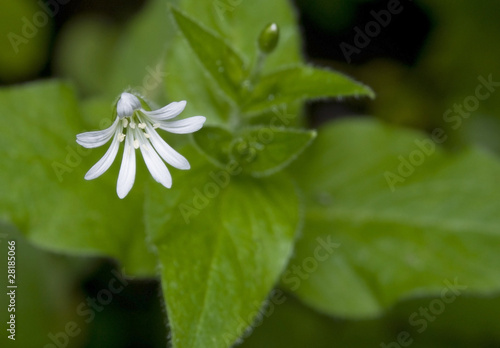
(410,219)
(302,82)
(217,56)
(204,97)
(262,151)
(214,142)
(223,240)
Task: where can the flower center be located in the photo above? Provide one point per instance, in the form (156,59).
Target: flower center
(136,124)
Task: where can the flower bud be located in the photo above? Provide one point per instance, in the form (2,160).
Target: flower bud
(268,38)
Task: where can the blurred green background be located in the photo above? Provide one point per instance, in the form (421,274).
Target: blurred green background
(427,59)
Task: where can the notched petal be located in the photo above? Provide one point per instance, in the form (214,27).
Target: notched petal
(126,177)
(166,152)
(185,126)
(155,165)
(96,138)
(167,112)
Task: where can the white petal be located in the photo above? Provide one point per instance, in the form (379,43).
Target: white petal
(166,152)
(127,104)
(105,162)
(166,112)
(96,138)
(156,167)
(187,125)
(126,177)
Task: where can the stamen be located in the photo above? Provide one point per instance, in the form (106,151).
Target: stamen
(136,144)
(125,123)
(132,124)
(142,125)
(121,137)
(156,125)
(146,135)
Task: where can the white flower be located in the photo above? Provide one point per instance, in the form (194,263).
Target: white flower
(137,127)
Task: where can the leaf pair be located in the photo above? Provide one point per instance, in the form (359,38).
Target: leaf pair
(260,151)
(232,74)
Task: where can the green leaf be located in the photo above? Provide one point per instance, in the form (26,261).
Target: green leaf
(138,60)
(463,321)
(240,24)
(215,144)
(437,223)
(302,82)
(106,60)
(46,295)
(217,56)
(191,84)
(43,190)
(458,78)
(83,53)
(25,40)
(223,240)
(262,151)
